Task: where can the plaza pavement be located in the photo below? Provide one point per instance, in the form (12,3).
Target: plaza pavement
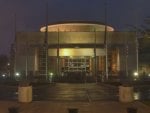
(64,106)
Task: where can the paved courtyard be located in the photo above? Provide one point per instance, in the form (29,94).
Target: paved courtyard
(82,107)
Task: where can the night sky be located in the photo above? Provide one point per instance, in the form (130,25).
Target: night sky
(31,15)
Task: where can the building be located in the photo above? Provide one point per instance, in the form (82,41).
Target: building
(144,56)
(75,49)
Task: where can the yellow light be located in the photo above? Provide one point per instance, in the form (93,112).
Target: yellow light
(66,52)
(136,96)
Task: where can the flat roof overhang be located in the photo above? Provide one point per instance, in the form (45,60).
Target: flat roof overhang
(76,26)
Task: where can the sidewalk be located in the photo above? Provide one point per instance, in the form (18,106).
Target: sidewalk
(83,107)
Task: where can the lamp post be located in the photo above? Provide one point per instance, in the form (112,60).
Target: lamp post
(106,43)
(46,43)
(138,31)
(137,52)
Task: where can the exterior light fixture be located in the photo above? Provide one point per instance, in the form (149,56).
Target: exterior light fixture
(51,74)
(3,75)
(51,77)
(136,96)
(17,74)
(135,74)
(8,64)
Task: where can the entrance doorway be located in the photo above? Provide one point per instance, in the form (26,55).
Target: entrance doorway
(76,64)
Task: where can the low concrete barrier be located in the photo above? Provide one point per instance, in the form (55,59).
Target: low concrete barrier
(126,94)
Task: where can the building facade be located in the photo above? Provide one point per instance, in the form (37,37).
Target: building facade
(75,48)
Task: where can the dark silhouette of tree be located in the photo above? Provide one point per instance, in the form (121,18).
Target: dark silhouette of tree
(3,63)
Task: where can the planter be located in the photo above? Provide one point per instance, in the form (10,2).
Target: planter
(126,94)
(25,93)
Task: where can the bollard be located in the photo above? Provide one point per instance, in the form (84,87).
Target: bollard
(13,110)
(131,110)
(73,110)
(126,94)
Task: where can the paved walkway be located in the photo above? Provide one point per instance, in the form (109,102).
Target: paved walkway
(83,107)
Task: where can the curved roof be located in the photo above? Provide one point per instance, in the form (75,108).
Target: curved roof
(77,26)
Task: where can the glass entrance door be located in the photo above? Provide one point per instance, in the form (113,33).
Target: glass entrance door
(76,64)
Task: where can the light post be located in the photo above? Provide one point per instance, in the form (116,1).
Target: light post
(138,31)
(126,58)
(106,42)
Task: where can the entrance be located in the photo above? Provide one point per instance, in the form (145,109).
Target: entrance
(76,64)
(75,69)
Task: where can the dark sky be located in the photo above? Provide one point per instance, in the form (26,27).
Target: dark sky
(31,14)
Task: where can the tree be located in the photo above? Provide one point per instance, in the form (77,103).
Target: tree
(3,63)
